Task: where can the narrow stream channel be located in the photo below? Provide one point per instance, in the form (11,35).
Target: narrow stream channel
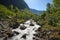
(26,30)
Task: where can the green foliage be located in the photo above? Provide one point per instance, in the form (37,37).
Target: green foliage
(14,16)
(5,13)
(56,3)
(51,18)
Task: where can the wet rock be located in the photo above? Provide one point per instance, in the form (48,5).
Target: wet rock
(31,24)
(24,36)
(15,25)
(5,38)
(33,38)
(17,33)
(10,35)
(37,35)
(23,28)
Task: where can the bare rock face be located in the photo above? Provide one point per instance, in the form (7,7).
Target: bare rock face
(4,24)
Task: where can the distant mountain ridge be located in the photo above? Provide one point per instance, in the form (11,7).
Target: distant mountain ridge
(20,4)
(36,11)
(16,3)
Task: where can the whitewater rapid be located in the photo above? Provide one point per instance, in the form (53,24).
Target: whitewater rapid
(27,33)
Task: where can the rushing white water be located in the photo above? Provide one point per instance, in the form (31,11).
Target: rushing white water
(28,31)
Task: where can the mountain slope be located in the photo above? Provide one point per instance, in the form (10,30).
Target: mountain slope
(36,11)
(16,3)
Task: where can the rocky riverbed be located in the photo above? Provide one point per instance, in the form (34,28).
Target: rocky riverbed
(29,30)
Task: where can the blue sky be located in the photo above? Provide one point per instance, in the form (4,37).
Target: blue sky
(38,4)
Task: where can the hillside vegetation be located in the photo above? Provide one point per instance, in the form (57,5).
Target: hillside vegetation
(48,19)
(15,15)
(51,17)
